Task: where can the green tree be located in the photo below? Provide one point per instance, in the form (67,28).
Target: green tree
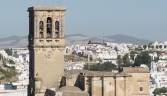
(86,67)
(144,46)
(107,66)
(119,60)
(89,42)
(15,52)
(164,46)
(8,73)
(149,45)
(94,67)
(138,60)
(132,54)
(4,63)
(11,62)
(8,51)
(90,58)
(126,60)
(143,58)
(158,91)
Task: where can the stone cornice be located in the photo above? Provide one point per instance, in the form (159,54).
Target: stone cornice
(108,75)
(58,46)
(47,8)
(54,38)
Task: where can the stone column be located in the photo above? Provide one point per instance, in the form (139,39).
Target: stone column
(125,86)
(60,25)
(104,86)
(115,81)
(117,85)
(35,24)
(53,25)
(92,87)
(44,26)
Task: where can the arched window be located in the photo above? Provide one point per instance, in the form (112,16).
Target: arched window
(41,29)
(49,27)
(41,25)
(57,29)
(57,25)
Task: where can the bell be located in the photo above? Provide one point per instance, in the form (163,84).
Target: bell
(49,26)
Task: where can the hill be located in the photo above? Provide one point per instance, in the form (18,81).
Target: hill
(79,39)
(128,39)
(13,42)
(22,41)
(7,74)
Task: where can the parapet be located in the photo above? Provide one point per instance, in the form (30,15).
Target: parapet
(47,8)
(134,70)
(75,73)
(123,72)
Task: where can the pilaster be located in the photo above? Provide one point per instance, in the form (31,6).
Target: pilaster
(92,87)
(35,24)
(44,25)
(60,25)
(53,25)
(125,88)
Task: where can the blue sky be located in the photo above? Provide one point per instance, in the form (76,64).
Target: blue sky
(144,19)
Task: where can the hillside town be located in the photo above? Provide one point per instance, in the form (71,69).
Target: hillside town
(18,59)
(78,56)
(110,52)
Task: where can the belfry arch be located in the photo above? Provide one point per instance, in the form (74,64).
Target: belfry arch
(49,27)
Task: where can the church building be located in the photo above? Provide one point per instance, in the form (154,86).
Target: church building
(46,69)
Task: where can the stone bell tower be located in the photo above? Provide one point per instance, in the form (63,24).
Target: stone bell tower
(46,47)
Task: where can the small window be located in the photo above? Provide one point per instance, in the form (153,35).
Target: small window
(141,88)
(49,27)
(57,29)
(41,25)
(57,25)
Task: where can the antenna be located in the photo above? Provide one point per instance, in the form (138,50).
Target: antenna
(37,2)
(44,2)
(59,2)
(53,2)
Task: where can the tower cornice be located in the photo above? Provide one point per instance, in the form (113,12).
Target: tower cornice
(47,8)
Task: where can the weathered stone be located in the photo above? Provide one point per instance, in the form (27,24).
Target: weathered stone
(46,46)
